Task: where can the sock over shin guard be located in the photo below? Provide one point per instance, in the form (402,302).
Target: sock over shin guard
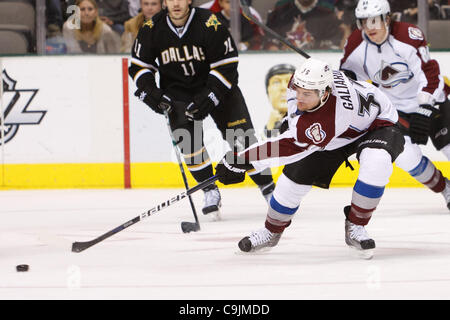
(284,203)
(427,174)
(365,200)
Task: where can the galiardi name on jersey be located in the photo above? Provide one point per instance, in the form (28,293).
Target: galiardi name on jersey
(342,90)
(173,54)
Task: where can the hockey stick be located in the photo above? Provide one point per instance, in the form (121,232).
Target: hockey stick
(250,17)
(185,226)
(80,246)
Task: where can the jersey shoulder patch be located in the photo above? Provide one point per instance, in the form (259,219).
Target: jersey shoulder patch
(213,21)
(408,33)
(149,24)
(415,33)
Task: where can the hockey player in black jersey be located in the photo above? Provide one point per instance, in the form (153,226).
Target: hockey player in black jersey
(197,60)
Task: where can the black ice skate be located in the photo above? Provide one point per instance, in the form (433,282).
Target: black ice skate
(267,190)
(356,237)
(212,201)
(258,240)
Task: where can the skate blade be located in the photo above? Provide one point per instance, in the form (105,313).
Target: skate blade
(362,254)
(254,252)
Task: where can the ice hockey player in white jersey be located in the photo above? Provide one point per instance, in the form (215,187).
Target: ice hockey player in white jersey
(330,117)
(394,56)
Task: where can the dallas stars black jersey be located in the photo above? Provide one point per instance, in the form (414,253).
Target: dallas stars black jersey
(201,53)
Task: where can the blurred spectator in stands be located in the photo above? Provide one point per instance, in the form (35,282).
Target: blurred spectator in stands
(114,13)
(307,24)
(345,11)
(251,34)
(435,9)
(404,10)
(407,10)
(445,9)
(54,43)
(54,18)
(93,36)
(148,9)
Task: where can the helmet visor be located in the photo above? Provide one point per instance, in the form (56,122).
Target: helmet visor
(371,23)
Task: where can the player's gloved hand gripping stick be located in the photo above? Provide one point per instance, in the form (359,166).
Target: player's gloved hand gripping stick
(155,99)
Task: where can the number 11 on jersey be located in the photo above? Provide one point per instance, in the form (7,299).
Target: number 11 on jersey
(186,71)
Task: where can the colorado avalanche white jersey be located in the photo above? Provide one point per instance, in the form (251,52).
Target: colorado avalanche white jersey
(353,109)
(401,66)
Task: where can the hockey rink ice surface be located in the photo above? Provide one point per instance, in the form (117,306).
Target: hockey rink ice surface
(153,259)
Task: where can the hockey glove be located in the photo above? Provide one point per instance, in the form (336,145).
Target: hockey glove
(420,123)
(231,169)
(155,99)
(202,105)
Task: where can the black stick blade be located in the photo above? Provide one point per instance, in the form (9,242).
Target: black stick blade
(187,227)
(81,246)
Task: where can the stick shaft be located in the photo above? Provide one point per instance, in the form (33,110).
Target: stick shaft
(180,164)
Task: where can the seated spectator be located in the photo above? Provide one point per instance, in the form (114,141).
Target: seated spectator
(251,34)
(148,9)
(93,36)
(114,13)
(445,9)
(345,11)
(404,10)
(306,24)
(54,18)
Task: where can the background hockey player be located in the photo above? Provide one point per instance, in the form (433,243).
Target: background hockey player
(277,80)
(395,57)
(197,63)
(330,118)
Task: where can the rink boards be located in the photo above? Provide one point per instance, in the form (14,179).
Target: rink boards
(73,122)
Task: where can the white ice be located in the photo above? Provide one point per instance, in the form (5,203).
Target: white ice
(154,260)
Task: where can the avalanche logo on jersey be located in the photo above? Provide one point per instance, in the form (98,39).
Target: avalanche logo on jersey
(392,74)
(16,103)
(415,33)
(315,133)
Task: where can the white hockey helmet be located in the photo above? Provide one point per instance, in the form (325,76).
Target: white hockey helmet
(314,74)
(370,9)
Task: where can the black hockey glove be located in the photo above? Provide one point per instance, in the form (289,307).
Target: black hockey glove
(231,169)
(155,99)
(202,105)
(420,123)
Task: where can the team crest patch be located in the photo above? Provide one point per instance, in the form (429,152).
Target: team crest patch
(213,22)
(315,133)
(149,23)
(415,33)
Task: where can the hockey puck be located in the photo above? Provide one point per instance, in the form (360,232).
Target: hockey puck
(22,268)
